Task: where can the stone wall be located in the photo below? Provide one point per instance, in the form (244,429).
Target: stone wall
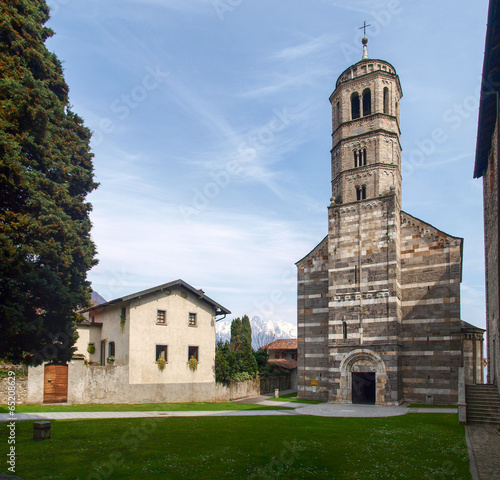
(431,265)
(110,384)
(312,324)
(491,202)
(364,288)
(21,389)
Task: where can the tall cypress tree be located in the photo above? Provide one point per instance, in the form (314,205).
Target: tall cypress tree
(46,173)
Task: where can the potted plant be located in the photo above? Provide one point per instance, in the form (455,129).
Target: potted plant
(91,348)
(161,363)
(110,360)
(192,363)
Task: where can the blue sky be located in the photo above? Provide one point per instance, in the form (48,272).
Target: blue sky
(212,133)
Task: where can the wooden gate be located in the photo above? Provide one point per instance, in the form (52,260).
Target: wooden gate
(55,384)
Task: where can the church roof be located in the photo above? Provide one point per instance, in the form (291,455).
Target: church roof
(315,250)
(488,112)
(468,326)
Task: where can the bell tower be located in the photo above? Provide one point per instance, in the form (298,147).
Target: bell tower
(366,150)
(364,324)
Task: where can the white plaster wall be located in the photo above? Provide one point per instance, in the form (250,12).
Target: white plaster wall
(145,334)
(35,384)
(83,340)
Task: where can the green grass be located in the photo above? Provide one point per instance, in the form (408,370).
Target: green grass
(421,405)
(292,397)
(139,407)
(423,446)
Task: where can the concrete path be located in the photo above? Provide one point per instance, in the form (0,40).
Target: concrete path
(320,410)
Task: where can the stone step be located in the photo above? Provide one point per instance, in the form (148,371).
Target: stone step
(483,404)
(483,411)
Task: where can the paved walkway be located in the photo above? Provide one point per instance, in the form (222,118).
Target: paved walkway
(484,451)
(319,410)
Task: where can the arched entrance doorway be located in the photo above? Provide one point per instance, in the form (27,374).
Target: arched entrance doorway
(363,378)
(363,387)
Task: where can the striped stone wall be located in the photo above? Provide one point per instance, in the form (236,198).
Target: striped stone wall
(431,269)
(312,327)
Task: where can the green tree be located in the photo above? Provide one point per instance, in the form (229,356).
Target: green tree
(246,331)
(236,334)
(46,173)
(241,344)
(225,363)
(261,357)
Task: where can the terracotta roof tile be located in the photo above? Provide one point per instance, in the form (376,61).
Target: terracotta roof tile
(282,344)
(281,362)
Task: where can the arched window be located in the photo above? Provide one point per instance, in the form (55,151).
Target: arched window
(386,100)
(364,157)
(339,119)
(355,159)
(361,192)
(355,106)
(367,102)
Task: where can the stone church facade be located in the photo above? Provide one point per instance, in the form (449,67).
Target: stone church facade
(379,297)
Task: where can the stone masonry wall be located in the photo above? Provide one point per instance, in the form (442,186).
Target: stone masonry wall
(491,202)
(312,327)
(21,389)
(364,273)
(432,350)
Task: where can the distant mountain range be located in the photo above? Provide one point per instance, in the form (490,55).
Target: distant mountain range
(263,331)
(96,299)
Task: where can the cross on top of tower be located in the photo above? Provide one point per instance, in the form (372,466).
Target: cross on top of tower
(364,41)
(364,27)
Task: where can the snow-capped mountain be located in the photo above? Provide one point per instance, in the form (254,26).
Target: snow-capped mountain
(263,331)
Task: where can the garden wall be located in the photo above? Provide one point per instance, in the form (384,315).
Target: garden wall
(269,384)
(110,384)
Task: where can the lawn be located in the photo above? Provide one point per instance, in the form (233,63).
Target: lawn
(423,446)
(139,407)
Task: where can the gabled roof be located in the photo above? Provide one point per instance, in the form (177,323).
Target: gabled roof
(490,87)
(281,362)
(468,326)
(282,344)
(315,250)
(219,309)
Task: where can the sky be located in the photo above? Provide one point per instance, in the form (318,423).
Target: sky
(212,134)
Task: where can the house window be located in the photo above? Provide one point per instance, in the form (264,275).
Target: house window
(123,314)
(367,102)
(294,356)
(276,355)
(355,106)
(193,352)
(344,330)
(161,352)
(111,349)
(192,320)
(161,316)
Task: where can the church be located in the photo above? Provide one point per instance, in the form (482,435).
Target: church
(379,297)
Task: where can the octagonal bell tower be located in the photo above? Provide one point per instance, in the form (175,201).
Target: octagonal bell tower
(366,150)
(364,273)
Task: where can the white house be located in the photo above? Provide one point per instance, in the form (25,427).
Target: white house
(173,321)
